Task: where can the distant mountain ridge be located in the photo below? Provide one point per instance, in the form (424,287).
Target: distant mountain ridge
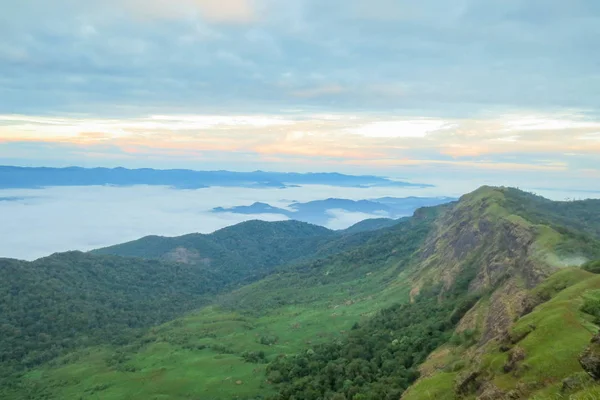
(319,211)
(34,177)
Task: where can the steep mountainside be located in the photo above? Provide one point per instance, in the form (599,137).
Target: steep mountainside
(524,337)
(479,299)
(481,248)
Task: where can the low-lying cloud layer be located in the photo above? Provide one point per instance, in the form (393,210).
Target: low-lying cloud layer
(38,222)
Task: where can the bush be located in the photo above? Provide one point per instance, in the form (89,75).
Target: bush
(268,340)
(254,357)
(591,306)
(592,266)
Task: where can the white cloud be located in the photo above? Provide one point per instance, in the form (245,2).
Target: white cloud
(547,123)
(83,218)
(398,129)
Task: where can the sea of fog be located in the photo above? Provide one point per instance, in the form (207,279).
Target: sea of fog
(38,222)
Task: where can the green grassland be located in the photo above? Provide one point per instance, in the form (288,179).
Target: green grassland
(200,356)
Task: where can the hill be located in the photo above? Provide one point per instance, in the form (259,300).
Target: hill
(475,299)
(371,224)
(240,252)
(320,211)
(73,300)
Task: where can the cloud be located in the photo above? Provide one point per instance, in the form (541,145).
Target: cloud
(97,216)
(398,129)
(219,11)
(562,144)
(428,59)
(381,85)
(342,219)
(319,91)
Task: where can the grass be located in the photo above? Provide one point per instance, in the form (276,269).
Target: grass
(557,332)
(438,387)
(200,356)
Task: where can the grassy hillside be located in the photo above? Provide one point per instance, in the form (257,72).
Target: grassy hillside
(467,279)
(538,357)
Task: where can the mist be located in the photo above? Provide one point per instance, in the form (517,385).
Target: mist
(39,222)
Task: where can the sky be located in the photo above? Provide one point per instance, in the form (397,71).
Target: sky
(497,88)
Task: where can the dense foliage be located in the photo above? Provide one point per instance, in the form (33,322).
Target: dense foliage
(371,225)
(74,299)
(592,266)
(581,215)
(372,261)
(378,360)
(243,252)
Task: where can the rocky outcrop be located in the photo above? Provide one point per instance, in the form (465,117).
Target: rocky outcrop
(515,356)
(590,358)
(468,383)
(479,238)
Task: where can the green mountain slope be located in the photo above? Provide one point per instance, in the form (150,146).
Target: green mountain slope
(537,358)
(71,300)
(246,251)
(481,247)
(361,320)
(204,354)
(241,251)
(371,224)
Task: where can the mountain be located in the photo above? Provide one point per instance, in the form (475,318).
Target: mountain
(245,251)
(71,300)
(481,298)
(25,177)
(320,211)
(371,224)
(253,209)
(110,296)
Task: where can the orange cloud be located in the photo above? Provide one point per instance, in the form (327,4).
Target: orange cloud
(325,138)
(310,150)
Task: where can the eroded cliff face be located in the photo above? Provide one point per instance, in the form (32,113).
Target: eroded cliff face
(505,257)
(498,252)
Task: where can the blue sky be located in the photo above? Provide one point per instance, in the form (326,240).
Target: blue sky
(499,88)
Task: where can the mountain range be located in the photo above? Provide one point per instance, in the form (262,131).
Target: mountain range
(36,177)
(493,296)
